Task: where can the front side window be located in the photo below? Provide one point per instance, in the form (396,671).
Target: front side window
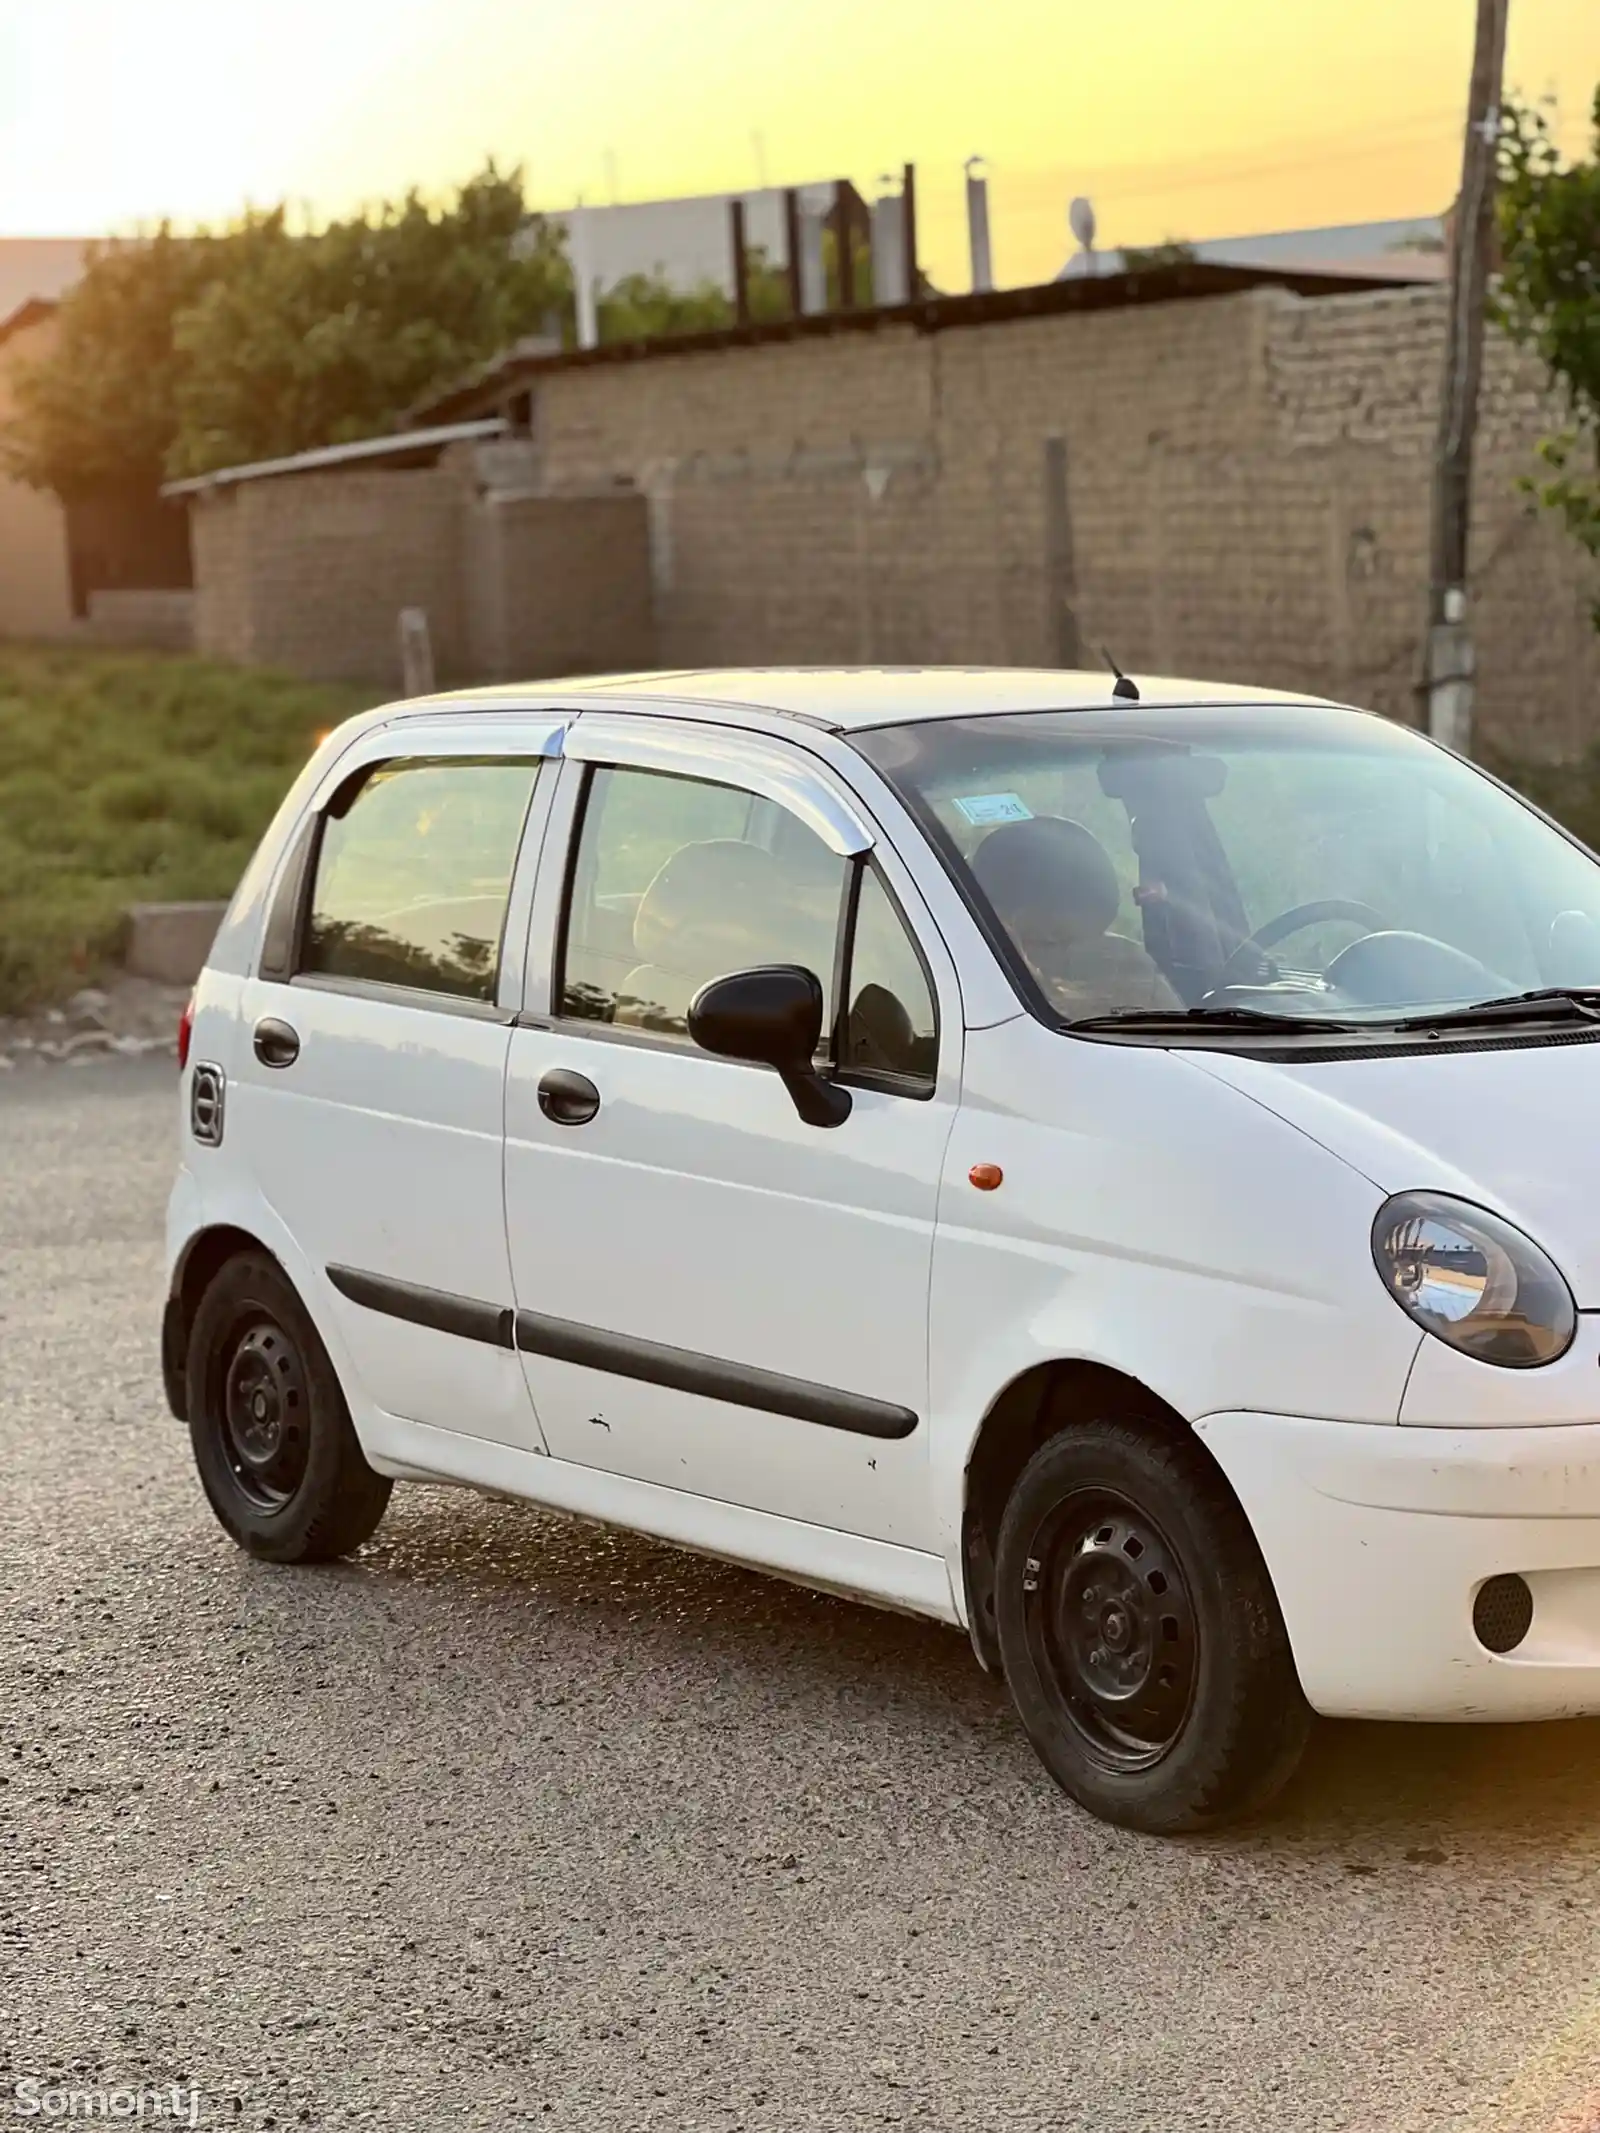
(414,874)
(890,1026)
(1302,863)
(677,881)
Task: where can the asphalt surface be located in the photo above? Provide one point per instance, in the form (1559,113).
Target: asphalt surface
(517,1821)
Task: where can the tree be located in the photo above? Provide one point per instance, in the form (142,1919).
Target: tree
(176,355)
(101,408)
(1172,252)
(328,336)
(642,305)
(1549,300)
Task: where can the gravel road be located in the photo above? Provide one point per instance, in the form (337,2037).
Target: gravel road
(516,1821)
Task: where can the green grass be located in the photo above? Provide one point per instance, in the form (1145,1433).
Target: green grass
(132,777)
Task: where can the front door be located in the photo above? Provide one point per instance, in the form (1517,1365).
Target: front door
(713,1295)
(371,1079)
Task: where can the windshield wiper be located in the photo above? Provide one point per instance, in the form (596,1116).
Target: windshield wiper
(1547,1002)
(1187,1020)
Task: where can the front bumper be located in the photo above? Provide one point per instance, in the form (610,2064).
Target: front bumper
(1378,1537)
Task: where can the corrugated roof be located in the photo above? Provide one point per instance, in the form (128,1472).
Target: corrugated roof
(400,444)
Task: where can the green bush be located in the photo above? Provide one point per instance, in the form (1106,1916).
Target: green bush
(129,778)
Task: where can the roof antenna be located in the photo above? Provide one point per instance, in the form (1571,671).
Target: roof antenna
(1128,690)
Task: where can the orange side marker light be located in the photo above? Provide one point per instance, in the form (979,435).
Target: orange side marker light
(986,1176)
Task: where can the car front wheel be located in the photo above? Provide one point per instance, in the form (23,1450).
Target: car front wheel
(1141,1637)
(272,1436)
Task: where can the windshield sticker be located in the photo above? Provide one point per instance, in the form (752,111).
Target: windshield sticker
(982,808)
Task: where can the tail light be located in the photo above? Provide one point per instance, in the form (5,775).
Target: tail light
(185,1032)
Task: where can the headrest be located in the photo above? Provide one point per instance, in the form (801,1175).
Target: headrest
(1051,874)
(719,885)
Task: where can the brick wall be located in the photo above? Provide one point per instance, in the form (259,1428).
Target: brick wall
(221,591)
(558,585)
(311,572)
(1247,483)
(159,621)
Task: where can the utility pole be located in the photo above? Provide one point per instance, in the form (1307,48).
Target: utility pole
(1448,681)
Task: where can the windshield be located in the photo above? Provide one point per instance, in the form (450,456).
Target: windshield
(1309,863)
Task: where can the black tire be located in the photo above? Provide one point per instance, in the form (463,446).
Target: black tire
(1141,1637)
(272,1436)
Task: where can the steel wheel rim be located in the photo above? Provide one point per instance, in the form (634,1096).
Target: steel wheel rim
(266,1414)
(1111,1628)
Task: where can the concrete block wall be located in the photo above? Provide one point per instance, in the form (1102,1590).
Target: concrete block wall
(155,620)
(1351,392)
(311,572)
(558,585)
(1247,500)
(1248,492)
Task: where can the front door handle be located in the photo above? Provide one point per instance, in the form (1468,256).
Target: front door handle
(277,1045)
(568,1098)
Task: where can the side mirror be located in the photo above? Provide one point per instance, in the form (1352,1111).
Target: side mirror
(771,1017)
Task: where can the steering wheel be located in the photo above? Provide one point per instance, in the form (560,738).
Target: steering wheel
(1277,929)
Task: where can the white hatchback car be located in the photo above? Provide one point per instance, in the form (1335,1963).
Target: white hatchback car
(1109,1168)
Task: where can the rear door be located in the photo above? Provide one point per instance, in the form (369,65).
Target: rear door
(370,1084)
(712,1295)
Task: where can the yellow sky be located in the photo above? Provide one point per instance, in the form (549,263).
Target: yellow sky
(1180,117)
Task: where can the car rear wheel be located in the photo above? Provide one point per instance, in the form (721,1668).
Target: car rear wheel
(276,1451)
(1141,1637)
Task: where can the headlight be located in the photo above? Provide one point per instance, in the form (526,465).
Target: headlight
(1472,1280)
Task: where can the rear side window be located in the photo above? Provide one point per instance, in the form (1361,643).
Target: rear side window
(413,878)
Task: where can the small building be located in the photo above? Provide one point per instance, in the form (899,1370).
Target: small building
(307,562)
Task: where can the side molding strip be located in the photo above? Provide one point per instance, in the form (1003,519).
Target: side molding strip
(683,1371)
(434,1308)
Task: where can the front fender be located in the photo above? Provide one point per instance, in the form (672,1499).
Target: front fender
(1158,1223)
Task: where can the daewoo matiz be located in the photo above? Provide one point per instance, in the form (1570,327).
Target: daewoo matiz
(1109,1167)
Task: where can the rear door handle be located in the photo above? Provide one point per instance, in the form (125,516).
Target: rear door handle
(277,1045)
(570,1099)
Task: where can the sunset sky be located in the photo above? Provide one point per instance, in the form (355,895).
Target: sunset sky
(1187,118)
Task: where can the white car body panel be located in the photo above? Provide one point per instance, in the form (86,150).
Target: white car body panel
(1512,1127)
(1194,1220)
(1146,1225)
(908,1580)
(728,1227)
(1376,1538)
(405,1108)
